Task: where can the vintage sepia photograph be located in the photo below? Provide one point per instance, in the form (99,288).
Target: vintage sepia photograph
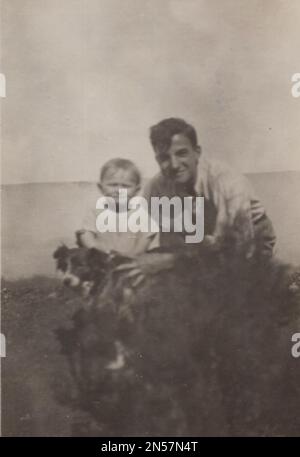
(150,218)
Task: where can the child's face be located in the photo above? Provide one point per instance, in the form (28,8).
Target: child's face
(116,180)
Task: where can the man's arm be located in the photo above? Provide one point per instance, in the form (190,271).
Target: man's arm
(231,198)
(241,211)
(265,236)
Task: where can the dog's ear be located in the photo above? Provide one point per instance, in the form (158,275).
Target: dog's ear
(78,234)
(61,252)
(96,258)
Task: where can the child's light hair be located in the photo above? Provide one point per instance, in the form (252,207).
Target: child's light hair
(123,164)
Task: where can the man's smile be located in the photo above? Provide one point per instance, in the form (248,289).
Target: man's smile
(179,174)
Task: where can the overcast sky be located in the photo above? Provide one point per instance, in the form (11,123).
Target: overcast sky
(86,79)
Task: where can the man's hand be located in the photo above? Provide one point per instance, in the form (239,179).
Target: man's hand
(145,265)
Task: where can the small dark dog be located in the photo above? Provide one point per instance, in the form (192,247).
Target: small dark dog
(93,343)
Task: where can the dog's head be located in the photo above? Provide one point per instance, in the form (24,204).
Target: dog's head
(85,269)
(81,268)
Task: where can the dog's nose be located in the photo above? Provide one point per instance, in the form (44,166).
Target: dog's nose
(67,281)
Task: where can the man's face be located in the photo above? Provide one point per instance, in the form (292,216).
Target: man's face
(179,162)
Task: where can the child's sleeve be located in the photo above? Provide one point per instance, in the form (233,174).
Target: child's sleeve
(89,222)
(88,228)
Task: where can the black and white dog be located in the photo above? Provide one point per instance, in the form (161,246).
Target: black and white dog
(95,326)
(85,270)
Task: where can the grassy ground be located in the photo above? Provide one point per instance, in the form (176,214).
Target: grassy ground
(34,369)
(35,376)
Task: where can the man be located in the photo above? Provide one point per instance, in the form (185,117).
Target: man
(230,205)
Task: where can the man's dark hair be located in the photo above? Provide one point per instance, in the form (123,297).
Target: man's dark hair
(161,134)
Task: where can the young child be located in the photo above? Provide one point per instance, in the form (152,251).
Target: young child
(115,175)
